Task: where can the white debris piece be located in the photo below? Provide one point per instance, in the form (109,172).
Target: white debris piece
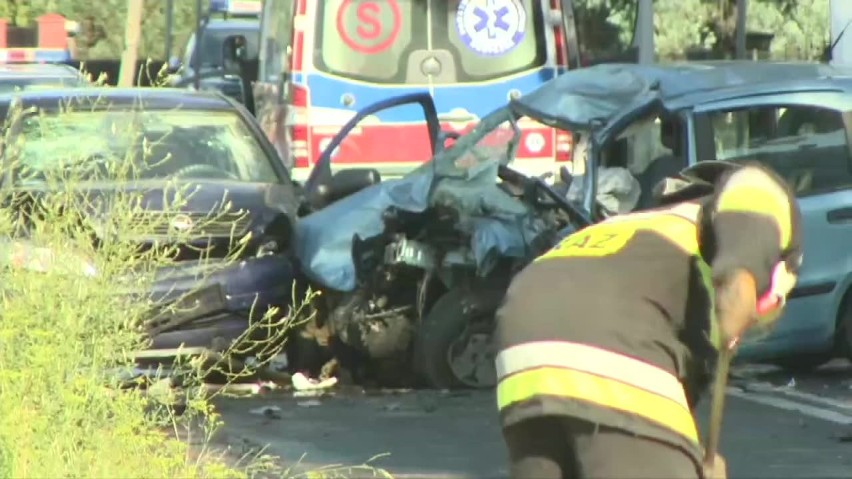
(792,383)
(237,389)
(309,403)
(304,383)
(268,385)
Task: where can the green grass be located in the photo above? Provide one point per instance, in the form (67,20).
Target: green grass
(68,328)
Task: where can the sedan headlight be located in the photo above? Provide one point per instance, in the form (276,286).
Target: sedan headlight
(27,256)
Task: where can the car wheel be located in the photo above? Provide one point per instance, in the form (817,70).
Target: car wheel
(454,347)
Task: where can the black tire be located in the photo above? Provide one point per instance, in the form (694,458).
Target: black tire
(450,318)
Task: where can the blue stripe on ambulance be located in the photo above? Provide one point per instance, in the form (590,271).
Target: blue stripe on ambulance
(477,98)
(33,55)
(52,56)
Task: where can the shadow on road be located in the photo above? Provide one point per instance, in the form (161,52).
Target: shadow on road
(434,434)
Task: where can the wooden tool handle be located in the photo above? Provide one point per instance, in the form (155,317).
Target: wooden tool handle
(720,384)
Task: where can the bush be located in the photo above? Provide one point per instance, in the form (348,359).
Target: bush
(74,310)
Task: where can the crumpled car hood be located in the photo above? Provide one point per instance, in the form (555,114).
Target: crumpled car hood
(597,95)
(499,225)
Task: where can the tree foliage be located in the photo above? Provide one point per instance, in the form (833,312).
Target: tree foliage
(108,17)
(800,26)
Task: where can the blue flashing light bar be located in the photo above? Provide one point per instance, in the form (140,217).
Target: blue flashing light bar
(33,55)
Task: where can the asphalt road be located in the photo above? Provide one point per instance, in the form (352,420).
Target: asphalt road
(772,428)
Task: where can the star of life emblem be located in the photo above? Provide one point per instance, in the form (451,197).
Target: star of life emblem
(491,27)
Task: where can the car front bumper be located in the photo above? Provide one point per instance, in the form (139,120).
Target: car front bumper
(231,297)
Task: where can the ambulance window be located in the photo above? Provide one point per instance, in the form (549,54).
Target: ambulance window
(604,34)
(806,145)
(490,41)
(213,39)
(369,40)
(277,34)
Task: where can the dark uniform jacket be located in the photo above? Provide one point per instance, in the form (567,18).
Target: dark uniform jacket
(616,323)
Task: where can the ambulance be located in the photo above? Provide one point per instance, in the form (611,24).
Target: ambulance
(322,60)
(50,40)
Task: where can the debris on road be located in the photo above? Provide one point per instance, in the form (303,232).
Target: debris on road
(309,403)
(792,383)
(241,389)
(306,386)
(272,412)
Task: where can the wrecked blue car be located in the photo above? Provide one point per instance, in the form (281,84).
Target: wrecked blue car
(648,121)
(412,269)
(793,117)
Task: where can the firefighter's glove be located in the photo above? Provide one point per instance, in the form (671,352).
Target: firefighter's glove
(771,304)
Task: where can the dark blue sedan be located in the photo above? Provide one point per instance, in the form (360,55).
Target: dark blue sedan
(202,139)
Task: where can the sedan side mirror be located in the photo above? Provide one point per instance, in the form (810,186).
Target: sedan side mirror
(349,181)
(340,185)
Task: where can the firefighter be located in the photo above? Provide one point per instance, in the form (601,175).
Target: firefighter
(607,340)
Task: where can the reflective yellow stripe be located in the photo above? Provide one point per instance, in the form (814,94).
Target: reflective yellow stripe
(706,273)
(605,392)
(675,224)
(594,241)
(590,359)
(750,190)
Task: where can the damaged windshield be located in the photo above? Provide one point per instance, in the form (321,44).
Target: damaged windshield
(493,142)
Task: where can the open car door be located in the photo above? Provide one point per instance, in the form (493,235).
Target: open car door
(350,203)
(324,186)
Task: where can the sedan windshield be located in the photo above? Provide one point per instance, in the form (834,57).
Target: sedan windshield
(144,144)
